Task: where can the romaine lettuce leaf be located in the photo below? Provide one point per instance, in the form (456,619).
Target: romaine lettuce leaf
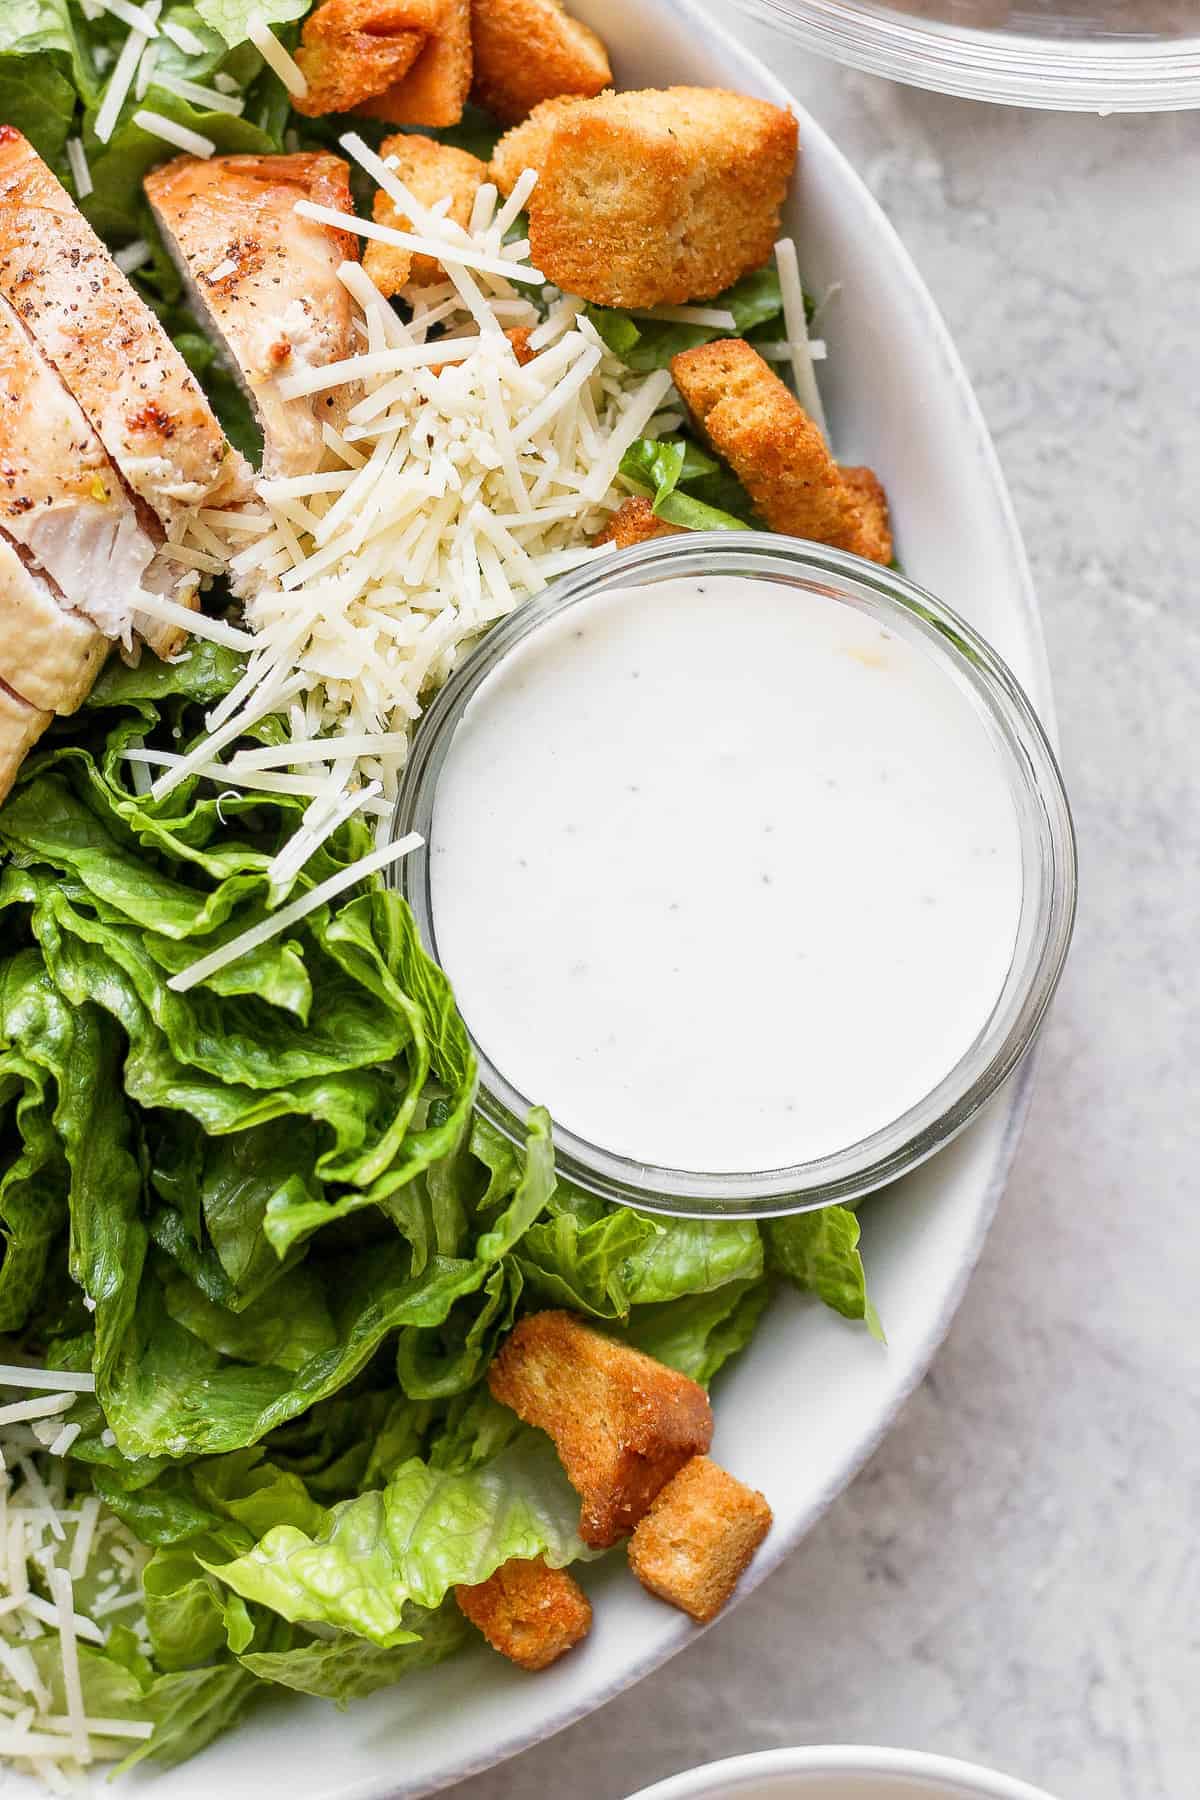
(698,1333)
(189,1709)
(39,100)
(33,1182)
(659,467)
(45,63)
(191,1617)
(255,1494)
(167,1510)
(693,1256)
(354,1440)
(581,1262)
(819,1252)
(426,1532)
(344,1668)
(293,1325)
(434,1365)
(232,17)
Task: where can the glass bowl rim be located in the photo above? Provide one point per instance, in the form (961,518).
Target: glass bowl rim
(941,1114)
(1070,74)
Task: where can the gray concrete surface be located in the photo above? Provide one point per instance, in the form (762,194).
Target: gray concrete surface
(1015,1575)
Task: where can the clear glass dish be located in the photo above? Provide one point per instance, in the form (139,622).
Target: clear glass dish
(1047,857)
(1076,55)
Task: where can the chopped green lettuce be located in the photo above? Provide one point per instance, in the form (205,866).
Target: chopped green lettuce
(698,1333)
(46,65)
(644,344)
(232,17)
(344,1667)
(818,1251)
(428,1531)
(663,467)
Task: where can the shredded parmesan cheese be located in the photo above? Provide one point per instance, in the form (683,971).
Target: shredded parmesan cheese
(124,70)
(36,1409)
(60,1587)
(15,1375)
(183,138)
(288,916)
(47,1538)
(199,624)
(481,260)
(133,256)
(276,57)
(137,18)
(207,99)
(145,70)
(796,321)
(185,40)
(716,318)
(81,174)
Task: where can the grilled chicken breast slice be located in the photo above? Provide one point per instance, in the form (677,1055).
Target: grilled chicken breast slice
(49,654)
(144,403)
(21,725)
(267,281)
(63,502)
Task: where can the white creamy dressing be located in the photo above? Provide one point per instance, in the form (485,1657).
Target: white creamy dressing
(723,873)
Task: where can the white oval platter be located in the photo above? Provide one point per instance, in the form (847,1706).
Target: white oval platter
(798,1414)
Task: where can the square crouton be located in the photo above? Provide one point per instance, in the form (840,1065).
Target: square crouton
(529,1613)
(622,1423)
(636,522)
(760,428)
(431,172)
(352,49)
(868,490)
(526,51)
(669,194)
(435,89)
(696,1541)
(525,146)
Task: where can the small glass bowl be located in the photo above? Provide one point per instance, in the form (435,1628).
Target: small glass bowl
(1074,55)
(1047,851)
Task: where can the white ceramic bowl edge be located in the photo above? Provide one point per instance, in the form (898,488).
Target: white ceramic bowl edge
(842,1772)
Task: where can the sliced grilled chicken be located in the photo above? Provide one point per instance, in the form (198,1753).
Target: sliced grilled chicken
(49,654)
(21,725)
(146,406)
(266,280)
(63,503)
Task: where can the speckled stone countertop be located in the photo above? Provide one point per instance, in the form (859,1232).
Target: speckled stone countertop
(1015,1576)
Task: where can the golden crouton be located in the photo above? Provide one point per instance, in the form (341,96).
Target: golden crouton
(622,1423)
(435,89)
(527,51)
(529,1613)
(759,427)
(636,522)
(867,488)
(351,49)
(664,195)
(431,172)
(697,1539)
(518,337)
(525,146)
